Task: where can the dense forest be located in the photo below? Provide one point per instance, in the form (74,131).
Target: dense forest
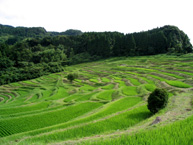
(27,53)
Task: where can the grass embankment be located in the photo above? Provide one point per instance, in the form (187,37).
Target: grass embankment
(178,133)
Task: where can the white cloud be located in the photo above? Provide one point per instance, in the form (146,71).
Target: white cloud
(98,15)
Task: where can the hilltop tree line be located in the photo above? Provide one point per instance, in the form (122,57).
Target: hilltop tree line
(11,35)
(39,52)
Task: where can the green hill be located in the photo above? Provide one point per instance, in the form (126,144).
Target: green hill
(106,104)
(28,53)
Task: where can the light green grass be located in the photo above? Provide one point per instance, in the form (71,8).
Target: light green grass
(105,95)
(178,133)
(29,82)
(129,90)
(16,84)
(178,84)
(116,78)
(108,109)
(87,88)
(147,80)
(150,87)
(26,108)
(186,73)
(47,94)
(72,97)
(105,80)
(78,80)
(5,98)
(159,78)
(173,75)
(94,80)
(121,121)
(22,124)
(61,93)
(85,97)
(135,82)
(121,83)
(108,87)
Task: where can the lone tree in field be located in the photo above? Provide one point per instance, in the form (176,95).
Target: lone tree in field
(72,76)
(157,100)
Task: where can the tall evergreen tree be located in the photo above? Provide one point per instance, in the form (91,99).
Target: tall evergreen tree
(187,45)
(118,46)
(131,45)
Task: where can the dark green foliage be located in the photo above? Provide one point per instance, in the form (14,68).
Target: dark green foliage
(157,100)
(71,32)
(130,47)
(72,76)
(4,50)
(19,33)
(5,62)
(22,31)
(118,49)
(187,47)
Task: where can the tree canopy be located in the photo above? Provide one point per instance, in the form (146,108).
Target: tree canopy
(157,100)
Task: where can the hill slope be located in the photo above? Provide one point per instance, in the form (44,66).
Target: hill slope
(105,105)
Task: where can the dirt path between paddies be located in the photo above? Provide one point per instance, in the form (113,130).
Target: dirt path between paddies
(9,97)
(5,91)
(83,124)
(100,81)
(11,92)
(176,110)
(2,99)
(127,82)
(176,88)
(167,77)
(4,88)
(163,84)
(29,98)
(116,86)
(36,83)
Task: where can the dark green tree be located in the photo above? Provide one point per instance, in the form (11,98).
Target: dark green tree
(131,45)
(118,48)
(72,76)
(5,62)
(187,46)
(157,100)
(142,42)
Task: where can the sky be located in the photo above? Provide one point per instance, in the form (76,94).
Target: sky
(126,16)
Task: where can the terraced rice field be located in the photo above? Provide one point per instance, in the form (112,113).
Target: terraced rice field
(107,104)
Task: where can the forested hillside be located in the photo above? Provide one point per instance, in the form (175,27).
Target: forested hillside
(27,53)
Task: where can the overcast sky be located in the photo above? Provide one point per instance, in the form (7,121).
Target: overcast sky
(125,16)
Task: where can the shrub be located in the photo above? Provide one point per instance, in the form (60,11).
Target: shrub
(72,76)
(157,100)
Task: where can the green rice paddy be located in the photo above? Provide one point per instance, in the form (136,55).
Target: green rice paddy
(106,104)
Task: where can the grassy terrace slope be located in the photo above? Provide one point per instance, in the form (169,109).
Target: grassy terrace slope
(105,105)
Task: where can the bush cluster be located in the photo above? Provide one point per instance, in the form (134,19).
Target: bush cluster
(157,100)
